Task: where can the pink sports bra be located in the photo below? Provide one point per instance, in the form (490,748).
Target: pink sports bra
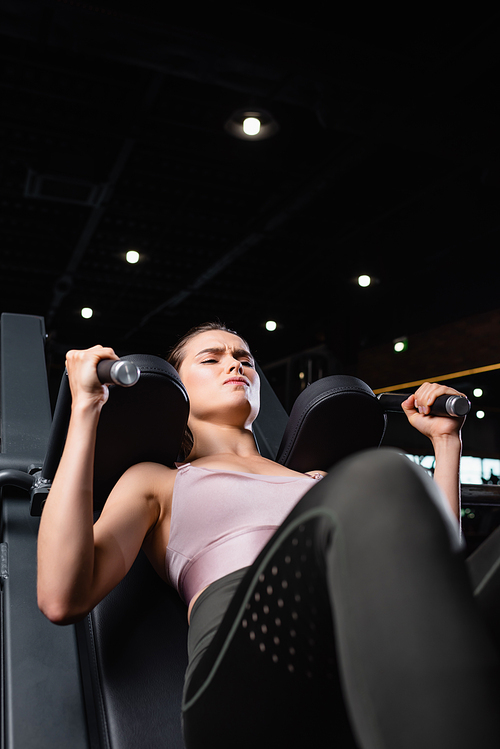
(221,520)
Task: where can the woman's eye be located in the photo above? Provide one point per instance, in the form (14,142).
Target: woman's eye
(209,361)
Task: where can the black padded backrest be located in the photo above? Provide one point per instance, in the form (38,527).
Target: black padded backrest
(271,422)
(331,419)
(142,423)
(133,644)
(133,658)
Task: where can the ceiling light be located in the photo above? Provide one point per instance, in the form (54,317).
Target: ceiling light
(400,344)
(364,281)
(86,312)
(271,325)
(477,392)
(256,124)
(480,414)
(251,126)
(132,257)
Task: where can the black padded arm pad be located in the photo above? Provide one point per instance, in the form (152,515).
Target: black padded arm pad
(142,423)
(331,419)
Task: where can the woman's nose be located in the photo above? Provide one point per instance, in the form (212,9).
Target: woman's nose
(236,365)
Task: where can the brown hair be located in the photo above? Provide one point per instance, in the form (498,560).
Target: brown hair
(176,356)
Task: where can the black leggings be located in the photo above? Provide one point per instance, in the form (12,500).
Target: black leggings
(355,627)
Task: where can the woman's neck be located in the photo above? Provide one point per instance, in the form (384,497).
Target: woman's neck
(222,439)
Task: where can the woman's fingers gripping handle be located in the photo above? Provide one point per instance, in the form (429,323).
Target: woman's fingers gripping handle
(444,405)
(81,367)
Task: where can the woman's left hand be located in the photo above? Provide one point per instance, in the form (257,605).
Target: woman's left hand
(417,409)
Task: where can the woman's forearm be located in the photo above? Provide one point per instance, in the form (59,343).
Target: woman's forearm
(444,434)
(447,471)
(65,540)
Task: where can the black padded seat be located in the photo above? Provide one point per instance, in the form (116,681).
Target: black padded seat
(331,419)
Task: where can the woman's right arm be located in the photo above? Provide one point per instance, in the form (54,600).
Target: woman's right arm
(78,564)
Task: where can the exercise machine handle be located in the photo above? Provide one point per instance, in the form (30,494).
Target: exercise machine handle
(118,372)
(444,405)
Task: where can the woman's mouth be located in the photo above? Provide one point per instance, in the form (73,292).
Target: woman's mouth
(236,381)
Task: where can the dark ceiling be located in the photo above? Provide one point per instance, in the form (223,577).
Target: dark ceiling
(386,162)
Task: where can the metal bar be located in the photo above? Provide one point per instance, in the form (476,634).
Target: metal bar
(439,378)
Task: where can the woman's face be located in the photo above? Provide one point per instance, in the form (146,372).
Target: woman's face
(219,375)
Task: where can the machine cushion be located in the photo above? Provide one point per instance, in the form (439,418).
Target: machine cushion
(331,419)
(133,657)
(145,422)
(133,644)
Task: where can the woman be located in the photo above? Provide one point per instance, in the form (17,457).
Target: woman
(316,604)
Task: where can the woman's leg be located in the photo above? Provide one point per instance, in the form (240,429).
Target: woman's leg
(419,666)
(360,598)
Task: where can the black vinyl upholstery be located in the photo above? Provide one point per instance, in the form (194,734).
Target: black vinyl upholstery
(145,422)
(133,644)
(331,419)
(133,658)
(141,423)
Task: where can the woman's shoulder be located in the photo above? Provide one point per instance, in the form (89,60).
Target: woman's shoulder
(143,470)
(149,479)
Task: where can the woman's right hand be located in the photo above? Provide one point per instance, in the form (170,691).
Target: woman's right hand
(81,366)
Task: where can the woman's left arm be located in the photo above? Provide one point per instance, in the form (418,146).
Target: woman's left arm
(445,435)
